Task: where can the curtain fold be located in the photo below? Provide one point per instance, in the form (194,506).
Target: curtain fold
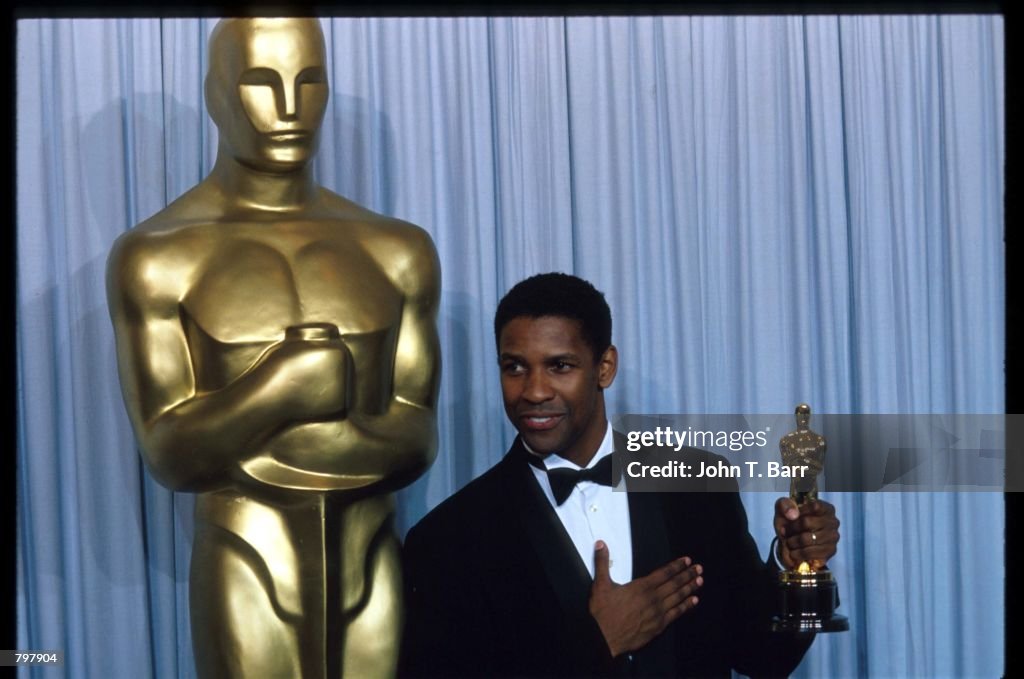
(779,209)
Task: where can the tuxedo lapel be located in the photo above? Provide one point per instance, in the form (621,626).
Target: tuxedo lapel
(552,546)
(647,528)
(648,532)
(651,550)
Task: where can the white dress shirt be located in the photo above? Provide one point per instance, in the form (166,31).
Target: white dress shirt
(594,512)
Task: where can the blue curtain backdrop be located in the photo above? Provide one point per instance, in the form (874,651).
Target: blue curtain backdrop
(778,208)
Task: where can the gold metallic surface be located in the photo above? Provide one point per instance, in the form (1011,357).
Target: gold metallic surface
(806,578)
(278,355)
(803,448)
(808,595)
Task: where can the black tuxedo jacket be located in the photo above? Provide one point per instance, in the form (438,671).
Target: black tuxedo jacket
(495,588)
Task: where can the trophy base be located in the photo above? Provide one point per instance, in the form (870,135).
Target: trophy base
(836,623)
(807,603)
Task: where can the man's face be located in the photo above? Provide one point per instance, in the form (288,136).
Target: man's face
(552,386)
(271,91)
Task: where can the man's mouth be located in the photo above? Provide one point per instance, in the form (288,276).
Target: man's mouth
(538,422)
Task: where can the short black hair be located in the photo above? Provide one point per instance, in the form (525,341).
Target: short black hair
(563,295)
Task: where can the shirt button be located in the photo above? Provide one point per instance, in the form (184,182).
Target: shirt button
(593,508)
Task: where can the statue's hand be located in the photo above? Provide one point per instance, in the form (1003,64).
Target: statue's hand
(312,377)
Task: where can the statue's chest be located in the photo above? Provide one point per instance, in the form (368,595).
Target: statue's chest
(251,290)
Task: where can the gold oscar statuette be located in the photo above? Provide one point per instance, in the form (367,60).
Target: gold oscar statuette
(278,354)
(808,595)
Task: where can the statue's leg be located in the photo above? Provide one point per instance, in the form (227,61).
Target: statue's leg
(373,633)
(238,628)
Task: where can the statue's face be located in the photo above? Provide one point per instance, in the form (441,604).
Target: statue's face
(267,90)
(803,415)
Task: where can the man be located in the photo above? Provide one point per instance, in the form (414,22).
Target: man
(278,356)
(516,575)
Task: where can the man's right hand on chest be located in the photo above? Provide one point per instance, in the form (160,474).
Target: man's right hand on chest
(631,615)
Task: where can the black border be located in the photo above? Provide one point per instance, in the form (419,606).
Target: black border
(1014,502)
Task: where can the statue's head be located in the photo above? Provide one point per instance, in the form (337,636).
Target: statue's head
(803,415)
(266,90)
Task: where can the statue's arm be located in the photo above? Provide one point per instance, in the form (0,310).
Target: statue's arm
(403,440)
(191,441)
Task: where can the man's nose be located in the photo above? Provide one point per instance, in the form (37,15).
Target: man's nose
(538,388)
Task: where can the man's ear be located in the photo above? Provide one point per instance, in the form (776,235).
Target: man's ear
(607,367)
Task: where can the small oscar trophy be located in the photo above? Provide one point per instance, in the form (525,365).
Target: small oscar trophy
(808,596)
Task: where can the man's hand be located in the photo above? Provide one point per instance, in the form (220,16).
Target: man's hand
(631,615)
(808,532)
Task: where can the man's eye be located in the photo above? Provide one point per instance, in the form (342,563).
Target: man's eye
(512,368)
(562,366)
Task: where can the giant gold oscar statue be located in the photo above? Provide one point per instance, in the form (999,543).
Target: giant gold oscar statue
(278,356)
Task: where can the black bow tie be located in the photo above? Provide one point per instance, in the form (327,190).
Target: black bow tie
(564,480)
